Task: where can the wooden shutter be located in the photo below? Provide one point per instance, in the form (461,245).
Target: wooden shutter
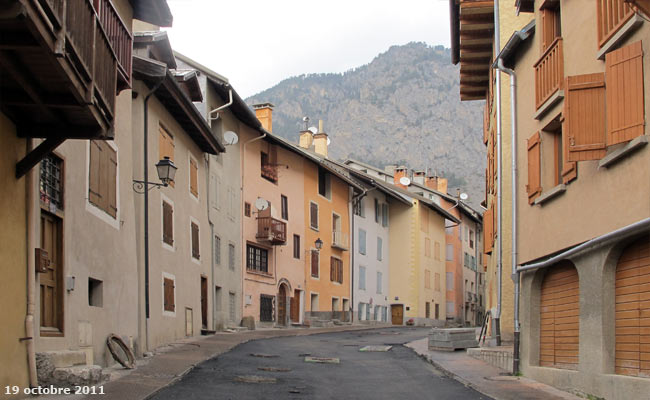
(195,240)
(569,168)
(534,187)
(112,182)
(625,103)
(559,317)
(332,269)
(168,295)
(314,263)
(94,173)
(168,223)
(194,178)
(585,116)
(633,310)
(549,28)
(313,213)
(487,231)
(340,268)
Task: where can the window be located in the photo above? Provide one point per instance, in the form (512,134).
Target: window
(450,281)
(436,282)
(362,278)
(266,308)
(169,303)
(379,249)
(450,308)
(450,252)
(377,211)
(269,168)
(194,177)
(232,306)
(436,251)
(557,155)
(437,308)
(466,260)
(215,191)
(324,183)
(379,282)
(102,177)
(471,239)
(359,208)
(384,215)
(95,292)
(168,223)
(362,241)
(315,260)
(424,220)
(51,181)
(195,240)
(314,301)
(427,279)
(217,250)
(247,209)
(296,246)
(427,247)
(427,312)
(257,259)
(165,146)
(231,257)
(336,270)
(284,202)
(551,26)
(313,215)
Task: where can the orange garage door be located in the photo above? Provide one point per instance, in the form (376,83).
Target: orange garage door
(559,317)
(633,310)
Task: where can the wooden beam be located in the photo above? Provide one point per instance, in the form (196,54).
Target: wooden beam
(62,131)
(36,155)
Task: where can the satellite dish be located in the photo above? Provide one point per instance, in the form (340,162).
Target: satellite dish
(464,196)
(313,130)
(328,141)
(261,204)
(404,181)
(230,138)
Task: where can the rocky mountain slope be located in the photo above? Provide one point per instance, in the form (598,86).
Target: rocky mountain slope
(403,107)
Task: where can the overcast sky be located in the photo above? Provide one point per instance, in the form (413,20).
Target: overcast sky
(256,44)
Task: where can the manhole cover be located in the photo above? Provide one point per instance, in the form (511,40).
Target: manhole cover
(274,369)
(264,355)
(376,348)
(322,360)
(254,379)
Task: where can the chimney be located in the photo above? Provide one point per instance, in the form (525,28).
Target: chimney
(320,140)
(390,169)
(400,172)
(264,112)
(306,138)
(418,177)
(437,183)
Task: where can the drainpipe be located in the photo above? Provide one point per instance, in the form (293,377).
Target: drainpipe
(30,177)
(216,110)
(146,207)
(497,49)
(513,141)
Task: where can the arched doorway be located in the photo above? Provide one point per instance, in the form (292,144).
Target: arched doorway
(632,307)
(560,317)
(282,304)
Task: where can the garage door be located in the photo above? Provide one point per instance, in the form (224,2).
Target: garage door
(633,310)
(559,317)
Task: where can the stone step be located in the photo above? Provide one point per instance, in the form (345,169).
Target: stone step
(63,358)
(80,375)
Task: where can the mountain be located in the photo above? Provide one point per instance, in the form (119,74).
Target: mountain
(403,107)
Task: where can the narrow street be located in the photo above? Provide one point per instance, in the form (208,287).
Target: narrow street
(277,369)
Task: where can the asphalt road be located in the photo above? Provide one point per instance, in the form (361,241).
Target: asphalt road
(276,369)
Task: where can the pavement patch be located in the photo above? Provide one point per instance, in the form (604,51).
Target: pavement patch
(375,348)
(323,360)
(262,355)
(274,369)
(254,379)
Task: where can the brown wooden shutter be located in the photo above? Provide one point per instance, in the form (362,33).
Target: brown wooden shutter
(559,317)
(194,179)
(93,185)
(625,103)
(585,116)
(313,213)
(332,268)
(314,263)
(340,267)
(168,223)
(534,187)
(487,231)
(633,310)
(112,182)
(195,241)
(569,168)
(168,295)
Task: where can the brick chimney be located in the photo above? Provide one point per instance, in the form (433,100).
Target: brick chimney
(320,140)
(264,112)
(436,183)
(418,177)
(400,172)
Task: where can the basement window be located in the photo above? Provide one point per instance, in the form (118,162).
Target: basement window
(95,292)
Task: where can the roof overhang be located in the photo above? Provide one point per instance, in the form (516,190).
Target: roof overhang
(527,6)
(472,38)
(177,103)
(155,12)
(189,81)
(158,44)
(512,46)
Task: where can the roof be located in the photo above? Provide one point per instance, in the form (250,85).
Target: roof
(155,12)
(432,205)
(370,180)
(464,207)
(189,80)
(509,51)
(472,37)
(158,41)
(368,166)
(175,100)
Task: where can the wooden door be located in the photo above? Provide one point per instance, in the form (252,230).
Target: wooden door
(633,310)
(51,282)
(559,317)
(282,305)
(204,302)
(295,306)
(397,313)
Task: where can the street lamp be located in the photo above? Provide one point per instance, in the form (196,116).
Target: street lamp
(319,244)
(166,172)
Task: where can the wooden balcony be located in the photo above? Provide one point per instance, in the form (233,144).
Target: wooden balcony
(549,72)
(120,38)
(340,240)
(611,16)
(59,73)
(271,230)
(270,172)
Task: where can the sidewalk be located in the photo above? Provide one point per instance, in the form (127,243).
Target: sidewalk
(171,362)
(485,378)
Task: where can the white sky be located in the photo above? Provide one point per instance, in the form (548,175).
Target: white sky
(256,44)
